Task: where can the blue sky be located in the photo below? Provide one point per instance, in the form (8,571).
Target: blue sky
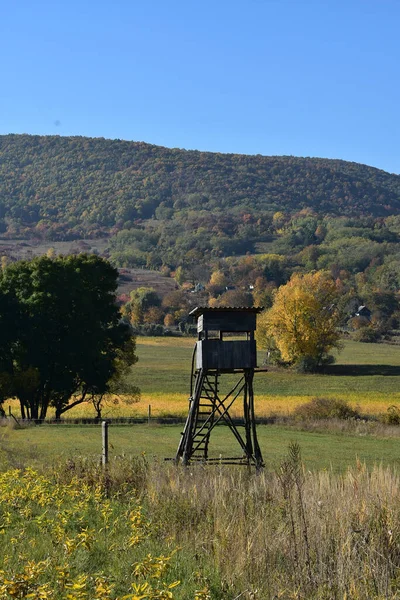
(294,77)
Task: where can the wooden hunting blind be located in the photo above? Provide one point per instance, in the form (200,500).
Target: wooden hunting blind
(225,345)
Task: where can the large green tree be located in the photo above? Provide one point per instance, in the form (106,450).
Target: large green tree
(9,321)
(70,341)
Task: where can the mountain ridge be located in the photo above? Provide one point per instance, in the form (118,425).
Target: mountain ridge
(70,186)
(196,150)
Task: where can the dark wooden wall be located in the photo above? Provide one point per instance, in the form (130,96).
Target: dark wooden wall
(229,321)
(217,354)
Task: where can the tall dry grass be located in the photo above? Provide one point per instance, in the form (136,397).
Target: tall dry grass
(285,534)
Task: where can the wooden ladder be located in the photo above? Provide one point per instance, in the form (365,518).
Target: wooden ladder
(206,409)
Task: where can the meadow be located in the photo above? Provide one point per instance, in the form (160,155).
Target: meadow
(143,530)
(322,521)
(329,450)
(366,375)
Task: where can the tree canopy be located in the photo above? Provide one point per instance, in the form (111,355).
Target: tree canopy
(68,343)
(303,319)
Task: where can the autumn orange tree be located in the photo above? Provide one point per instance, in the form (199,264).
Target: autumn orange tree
(302,322)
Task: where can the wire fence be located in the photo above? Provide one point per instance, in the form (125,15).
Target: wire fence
(118,421)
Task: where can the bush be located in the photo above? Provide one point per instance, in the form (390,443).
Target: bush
(309,364)
(326,408)
(150,329)
(367,335)
(306,364)
(357,323)
(392,416)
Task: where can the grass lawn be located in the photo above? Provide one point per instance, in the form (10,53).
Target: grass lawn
(42,445)
(366,375)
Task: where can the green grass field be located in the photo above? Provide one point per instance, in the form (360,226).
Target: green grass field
(42,445)
(367,375)
(234,531)
(164,367)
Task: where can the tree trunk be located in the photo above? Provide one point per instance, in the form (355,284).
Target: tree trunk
(98,405)
(22,407)
(43,412)
(66,407)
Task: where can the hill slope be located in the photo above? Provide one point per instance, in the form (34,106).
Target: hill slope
(76,186)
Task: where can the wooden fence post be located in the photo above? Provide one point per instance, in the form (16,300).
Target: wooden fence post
(149,415)
(104,431)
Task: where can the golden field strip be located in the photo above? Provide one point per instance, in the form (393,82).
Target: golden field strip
(177,405)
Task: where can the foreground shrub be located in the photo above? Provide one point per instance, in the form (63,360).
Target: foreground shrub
(289,534)
(70,541)
(123,477)
(326,408)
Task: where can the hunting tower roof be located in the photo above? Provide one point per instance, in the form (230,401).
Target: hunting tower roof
(201,310)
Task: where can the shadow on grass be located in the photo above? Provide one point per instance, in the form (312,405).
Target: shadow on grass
(363,370)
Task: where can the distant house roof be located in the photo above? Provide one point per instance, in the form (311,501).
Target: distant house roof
(363,311)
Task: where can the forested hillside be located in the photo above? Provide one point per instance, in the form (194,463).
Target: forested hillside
(230,229)
(66,187)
